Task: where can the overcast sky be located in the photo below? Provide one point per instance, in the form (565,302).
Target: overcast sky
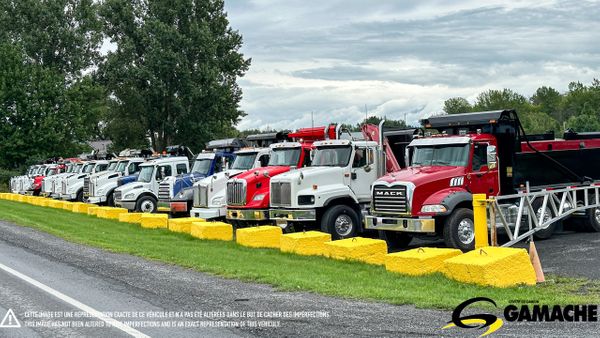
(333,57)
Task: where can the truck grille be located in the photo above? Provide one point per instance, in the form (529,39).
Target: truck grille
(390,199)
(117,195)
(236,193)
(86,186)
(201,196)
(281,194)
(164,192)
(43,185)
(64,187)
(53,187)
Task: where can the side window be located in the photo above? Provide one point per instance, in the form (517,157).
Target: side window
(371,156)
(479,156)
(307,159)
(181,168)
(218,164)
(264,160)
(134,167)
(360,158)
(162,172)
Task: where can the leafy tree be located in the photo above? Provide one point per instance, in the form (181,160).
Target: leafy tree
(500,99)
(457,105)
(548,100)
(174,70)
(584,122)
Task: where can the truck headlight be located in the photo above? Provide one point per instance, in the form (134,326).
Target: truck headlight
(259,197)
(129,196)
(306,200)
(433,208)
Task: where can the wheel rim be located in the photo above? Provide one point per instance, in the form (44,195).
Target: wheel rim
(547,215)
(466,232)
(597,215)
(343,225)
(147,206)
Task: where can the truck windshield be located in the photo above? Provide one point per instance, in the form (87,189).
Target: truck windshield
(121,167)
(100,167)
(88,168)
(112,166)
(202,166)
(51,172)
(285,157)
(146,174)
(338,156)
(244,161)
(441,155)
(78,168)
(70,168)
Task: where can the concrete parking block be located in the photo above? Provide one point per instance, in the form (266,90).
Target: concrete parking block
(212,230)
(360,249)
(132,217)
(420,261)
(264,236)
(155,221)
(309,243)
(110,212)
(182,224)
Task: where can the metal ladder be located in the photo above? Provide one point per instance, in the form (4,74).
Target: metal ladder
(561,203)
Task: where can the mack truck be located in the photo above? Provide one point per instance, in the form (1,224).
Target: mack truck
(176,193)
(477,153)
(248,193)
(99,187)
(210,200)
(335,190)
(142,195)
(72,186)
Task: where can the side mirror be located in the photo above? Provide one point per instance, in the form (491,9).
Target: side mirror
(492,162)
(353,175)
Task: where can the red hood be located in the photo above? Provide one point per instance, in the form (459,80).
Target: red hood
(257,183)
(423,175)
(250,175)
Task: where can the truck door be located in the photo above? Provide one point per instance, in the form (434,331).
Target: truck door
(363,172)
(482,179)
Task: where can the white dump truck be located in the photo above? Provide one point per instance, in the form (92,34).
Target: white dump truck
(210,193)
(142,195)
(72,187)
(99,187)
(56,186)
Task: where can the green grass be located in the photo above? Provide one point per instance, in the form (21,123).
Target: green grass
(285,271)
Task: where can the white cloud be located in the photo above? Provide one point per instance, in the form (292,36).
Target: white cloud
(404,57)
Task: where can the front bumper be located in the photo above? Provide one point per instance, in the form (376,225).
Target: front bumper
(247,214)
(68,197)
(129,205)
(96,199)
(208,213)
(163,204)
(418,225)
(293,214)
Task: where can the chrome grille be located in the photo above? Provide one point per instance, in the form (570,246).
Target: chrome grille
(43,185)
(390,199)
(281,194)
(236,192)
(201,196)
(86,186)
(117,195)
(53,187)
(164,191)
(64,187)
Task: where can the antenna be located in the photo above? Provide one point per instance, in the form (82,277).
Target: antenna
(366,114)
(312,119)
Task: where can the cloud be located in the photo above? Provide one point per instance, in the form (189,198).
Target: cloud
(404,58)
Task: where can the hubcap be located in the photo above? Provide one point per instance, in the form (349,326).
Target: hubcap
(466,232)
(547,216)
(343,225)
(597,215)
(147,206)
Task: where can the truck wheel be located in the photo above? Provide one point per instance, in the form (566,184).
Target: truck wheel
(546,233)
(459,230)
(395,239)
(341,221)
(79,197)
(146,204)
(592,220)
(110,200)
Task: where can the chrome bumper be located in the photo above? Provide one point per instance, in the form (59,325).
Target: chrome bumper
(208,213)
(96,199)
(248,214)
(421,225)
(293,214)
(129,205)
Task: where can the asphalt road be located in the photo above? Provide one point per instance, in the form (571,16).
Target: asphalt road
(42,275)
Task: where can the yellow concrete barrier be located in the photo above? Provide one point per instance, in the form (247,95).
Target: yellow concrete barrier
(44,202)
(133,217)
(68,206)
(212,230)
(182,224)
(492,266)
(56,204)
(309,243)
(3,195)
(110,212)
(419,261)
(81,208)
(155,221)
(92,211)
(21,198)
(265,236)
(360,249)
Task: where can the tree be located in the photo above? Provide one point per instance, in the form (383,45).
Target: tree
(548,99)
(584,122)
(174,70)
(457,105)
(500,99)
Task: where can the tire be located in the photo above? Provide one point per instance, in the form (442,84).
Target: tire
(395,239)
(592,220)
(110,200)
(546,233)
(146,204)
(341,221)
(459,230)
(79,197)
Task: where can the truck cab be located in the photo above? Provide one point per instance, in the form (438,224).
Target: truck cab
(248,192)
(55,187)
(48,182)
(210,200)
(48,171)
(72,187)
(176,192)
(142,195)
(101,186)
